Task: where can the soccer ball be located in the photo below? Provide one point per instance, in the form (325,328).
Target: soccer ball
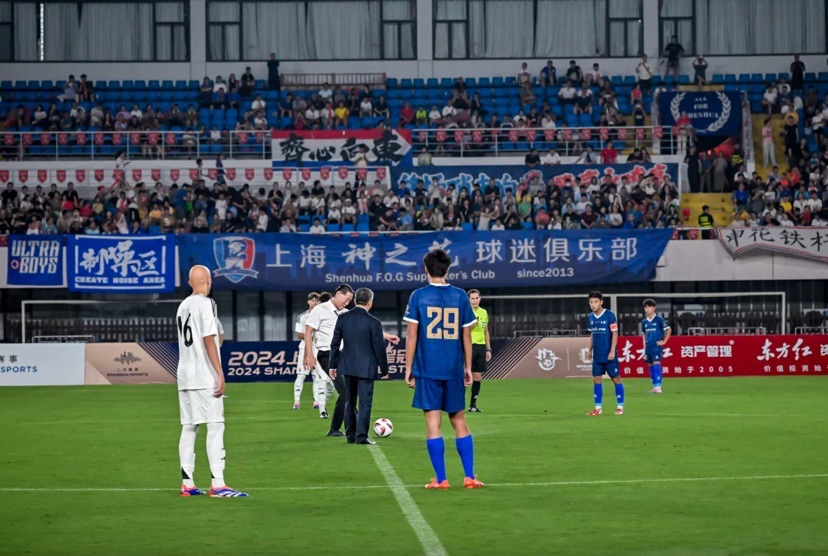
(383,427)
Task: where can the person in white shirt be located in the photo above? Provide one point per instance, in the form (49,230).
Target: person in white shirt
(449,111)
(325,93)
(365,107)
(259,104)
(201,385)
(769,99)
(434,116)
(567,94)
(302,372)
(317,227)
(523,75)
(645,74)
(319,329)
(552,158)
(815,203)
(595,76)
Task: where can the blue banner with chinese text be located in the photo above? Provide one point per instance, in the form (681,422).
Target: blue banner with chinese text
(510,177)
(125,264)
(710,112)
(300,262)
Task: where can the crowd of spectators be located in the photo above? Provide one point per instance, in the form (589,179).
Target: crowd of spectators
(198,208)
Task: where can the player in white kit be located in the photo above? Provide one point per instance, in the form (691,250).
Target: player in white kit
(201,385)
(302,372)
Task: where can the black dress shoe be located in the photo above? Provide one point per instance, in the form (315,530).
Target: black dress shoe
(351,441)
(366,441)
(335,433)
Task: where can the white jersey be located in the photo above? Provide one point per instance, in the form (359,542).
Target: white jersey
(195,320)
(300,327)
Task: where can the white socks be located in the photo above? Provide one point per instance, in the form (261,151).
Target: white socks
(215,452)
(298,386)
(186,453)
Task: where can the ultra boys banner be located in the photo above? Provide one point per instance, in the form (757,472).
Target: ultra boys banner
(35,261)
(302,262)
(810,243)
(510,177)
(710,112)
(325,148)
(126,264)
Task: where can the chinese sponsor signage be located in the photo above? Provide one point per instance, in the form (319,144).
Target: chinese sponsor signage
(511,177)
(131,363)
(810,243)
(123,264)
(35,261)
(710,112)
(41,364)
(391,262)
(683,356)
(384,147)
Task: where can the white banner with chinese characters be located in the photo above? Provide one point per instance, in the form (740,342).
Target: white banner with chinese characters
(811,243)
(41,364)
(386,147)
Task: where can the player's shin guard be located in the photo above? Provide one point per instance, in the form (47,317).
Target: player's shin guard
(437,454)
(465,447)
(475,393)
(619,394)
(598,393)
(655,374)
(186,453)
(215,452)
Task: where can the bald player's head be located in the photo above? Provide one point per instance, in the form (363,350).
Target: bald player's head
(200,279)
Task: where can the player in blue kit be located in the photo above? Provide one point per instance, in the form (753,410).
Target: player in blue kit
(656,332)
(603,344)
(438,356)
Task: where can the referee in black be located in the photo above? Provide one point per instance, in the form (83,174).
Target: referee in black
(481,347)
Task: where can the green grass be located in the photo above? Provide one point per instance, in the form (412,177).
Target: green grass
(763,431)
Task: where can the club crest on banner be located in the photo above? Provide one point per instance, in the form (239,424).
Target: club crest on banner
(136,174)
(23,176)
(212,173)
(4,175)
(175,174)
(325,172)
(80,175)
(268,174)
(99,175)
(193,174)
(155,174)
(61,176)
(235,257)
(306,174)
(230,173)
(42,176)
(287,173)
(381,172)
(249,174)
(343,172)
(118,175)
(362,173)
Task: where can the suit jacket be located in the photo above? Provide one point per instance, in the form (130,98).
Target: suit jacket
(358,346)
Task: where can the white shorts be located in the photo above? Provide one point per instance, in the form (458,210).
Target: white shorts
(200,406)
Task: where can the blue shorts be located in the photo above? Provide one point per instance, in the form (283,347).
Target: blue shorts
(442,395)
(653,354)
(608,367)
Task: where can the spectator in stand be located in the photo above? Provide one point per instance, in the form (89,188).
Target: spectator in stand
(317,227)
(325,93)
(770,99)
(608,154)
(673,53)
(797,75)
(552,158)
(248,83)
(527,96)
(587,157)
(574,74)
(638,114)
(341,114)
(366,109)
(273,81)
(523,75)
(595,77)
(258,104)
(548,75)
(583,102)
(700,69)
(421,116)
(205,92)
(406,114)
(70,90)
(532,159)
(567,93)
(694,169)
(85,91)
(219,92)
(424,158)
(645,74)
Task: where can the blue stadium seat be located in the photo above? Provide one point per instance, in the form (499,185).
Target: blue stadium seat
(497,82)
(617,80)
(630,79)
(757,78)
(744,78)
(823,77)
(471,81)
(447,82)
(194,84)
(362,227)
(770,77)
(730,78)
(405,83)
(391,82)
(810,77)
(334,227)
(20,85)
(128,84)
(418,83)
(348,228)
(785,75)
(484,82)
(34,85)
(684,79)
(114,84)
(432,83)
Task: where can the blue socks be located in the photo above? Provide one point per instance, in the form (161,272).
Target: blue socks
(597,393)
(619,394)
(436,452)
(655,374)
(465,447)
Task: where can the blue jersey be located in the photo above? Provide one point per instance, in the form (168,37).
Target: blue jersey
(441,313)
(654,330)
(602,327)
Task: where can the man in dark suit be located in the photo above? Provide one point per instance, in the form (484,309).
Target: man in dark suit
(360,357)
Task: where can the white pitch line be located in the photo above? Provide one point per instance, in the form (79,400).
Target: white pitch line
(496,485)
(425,534)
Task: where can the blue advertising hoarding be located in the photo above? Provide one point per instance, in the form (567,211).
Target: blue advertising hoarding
(300,262)
(510,177)
(35,261)
(710,112)
(124,264)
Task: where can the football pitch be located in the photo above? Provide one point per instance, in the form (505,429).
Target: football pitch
(713,466)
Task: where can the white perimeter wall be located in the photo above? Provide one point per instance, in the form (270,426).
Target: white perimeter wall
(425,66)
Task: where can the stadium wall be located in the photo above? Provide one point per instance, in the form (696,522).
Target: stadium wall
(425,66)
